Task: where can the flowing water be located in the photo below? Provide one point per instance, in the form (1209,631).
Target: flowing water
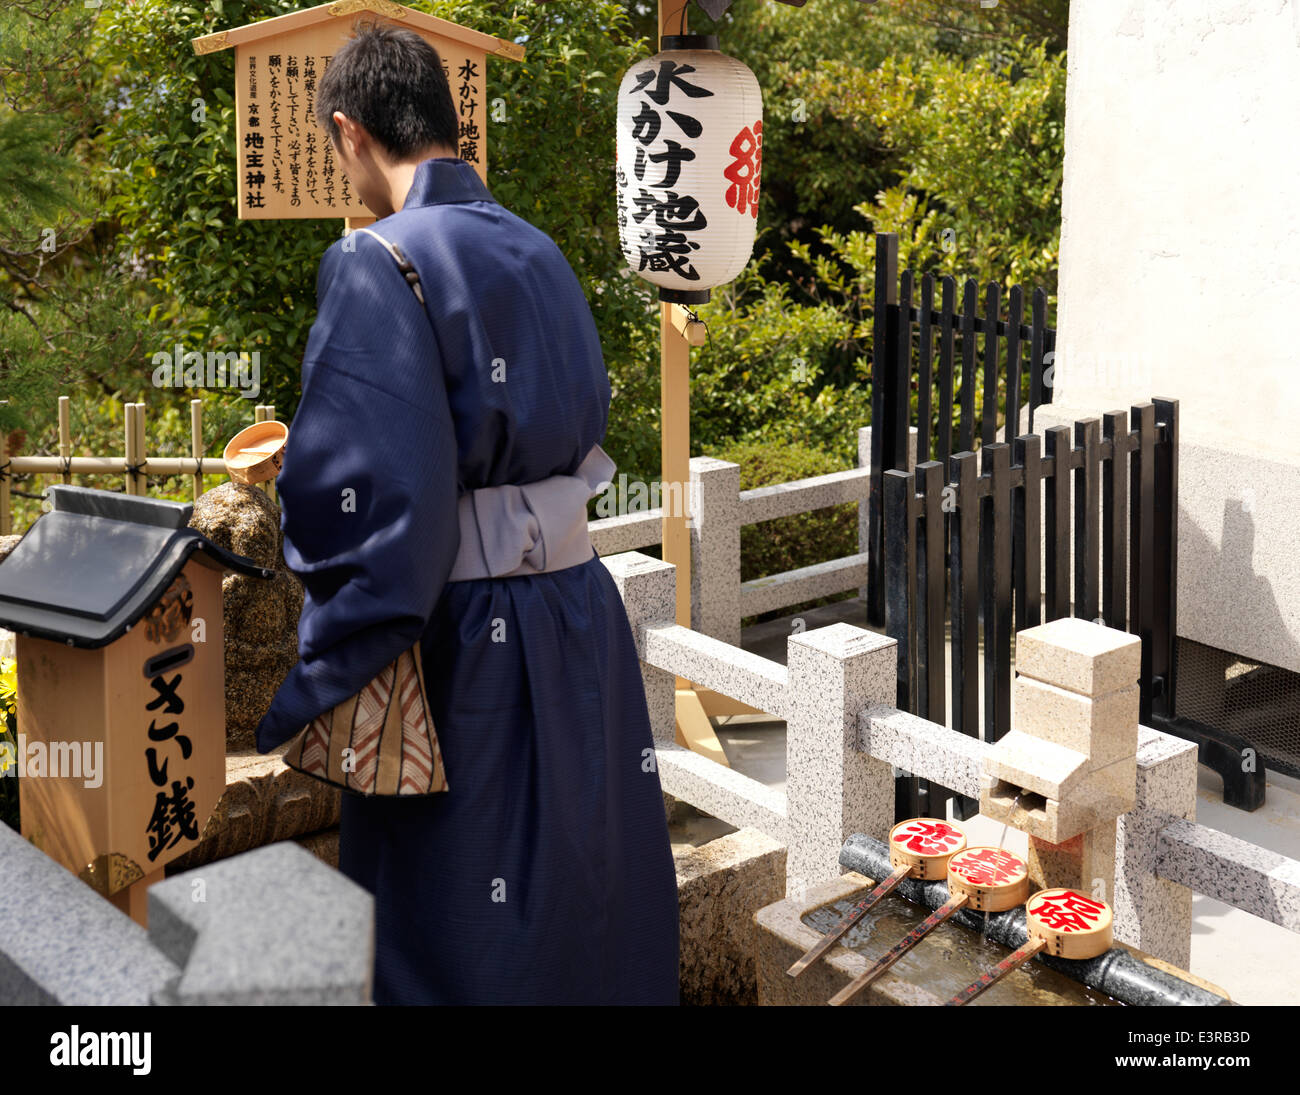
(950,957)
(1015,802)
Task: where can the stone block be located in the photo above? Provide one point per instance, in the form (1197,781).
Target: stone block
(720,886)
(648,589)
(64,944)
(715,548)
(270,926)
(1109,791)
(265,801)
(1151,912)
(1079,656)
(1103,728)
(1042,767)
(1085,862)
(832,789)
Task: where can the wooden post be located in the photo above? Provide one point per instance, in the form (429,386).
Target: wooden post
(65,437)
(264,412)
(142,476)
(128,428)
(134,900)
(675,337)
(675,452)
(196,442)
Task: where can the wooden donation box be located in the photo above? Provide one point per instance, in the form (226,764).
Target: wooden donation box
(287,167)
(116,605)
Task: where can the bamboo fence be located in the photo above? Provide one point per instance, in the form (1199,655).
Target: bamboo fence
(135,465)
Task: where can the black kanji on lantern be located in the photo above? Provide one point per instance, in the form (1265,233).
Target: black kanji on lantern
(664,245)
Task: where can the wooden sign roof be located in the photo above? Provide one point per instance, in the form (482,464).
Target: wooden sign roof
(416,20)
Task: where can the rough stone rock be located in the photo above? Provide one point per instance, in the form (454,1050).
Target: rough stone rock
(323,845)
(7,544)
(264,801)
(261,615)
(720,886)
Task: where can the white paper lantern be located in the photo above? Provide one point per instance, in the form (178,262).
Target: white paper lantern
(689,158)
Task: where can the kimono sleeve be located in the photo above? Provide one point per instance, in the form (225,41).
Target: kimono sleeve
(369,486)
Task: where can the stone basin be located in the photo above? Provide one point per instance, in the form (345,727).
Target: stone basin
(946,961)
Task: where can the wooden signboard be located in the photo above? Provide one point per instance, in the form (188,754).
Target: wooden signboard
(287,167)
(145,716)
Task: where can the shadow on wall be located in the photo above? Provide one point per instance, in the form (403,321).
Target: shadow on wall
(1230,567)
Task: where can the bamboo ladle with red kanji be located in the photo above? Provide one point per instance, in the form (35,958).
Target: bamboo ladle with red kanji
(1062,922)
(984,879)
(918,848)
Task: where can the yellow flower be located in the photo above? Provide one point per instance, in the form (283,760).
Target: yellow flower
(8,685)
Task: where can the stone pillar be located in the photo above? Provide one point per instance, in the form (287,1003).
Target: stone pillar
(832,789)
(715,549)
(1076,687)
(1151,913)
(648,588)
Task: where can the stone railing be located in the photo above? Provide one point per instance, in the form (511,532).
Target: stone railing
(270,926)
(718,511)
(845,738)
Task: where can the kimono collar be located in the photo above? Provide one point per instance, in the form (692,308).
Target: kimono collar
(445,179)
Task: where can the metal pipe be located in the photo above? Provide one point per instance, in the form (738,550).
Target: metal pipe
(1117,973)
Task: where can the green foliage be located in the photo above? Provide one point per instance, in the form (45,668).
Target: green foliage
(982,145)
(913,117)
(772,547)
(239,285)
(250,285)
(764,373)
(68,306)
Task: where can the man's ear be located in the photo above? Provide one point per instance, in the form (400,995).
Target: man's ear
(351,132)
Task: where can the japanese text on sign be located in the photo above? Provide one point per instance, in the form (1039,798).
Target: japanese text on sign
(173,818)
(287,164)
(663,243)
(1068,911)
(927,837)
(987,866)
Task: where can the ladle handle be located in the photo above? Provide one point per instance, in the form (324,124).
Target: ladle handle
(1012,961)
(898,950)
(850,918)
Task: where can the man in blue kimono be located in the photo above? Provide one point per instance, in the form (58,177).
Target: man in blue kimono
(544,875)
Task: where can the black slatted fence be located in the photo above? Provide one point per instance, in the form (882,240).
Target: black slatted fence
(962,555)
(942,351)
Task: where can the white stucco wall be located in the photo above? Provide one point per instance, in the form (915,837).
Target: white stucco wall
(1180,276)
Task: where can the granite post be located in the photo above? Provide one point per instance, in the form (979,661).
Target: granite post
(648,589)
(1153,913)
(715,549)
(833,789)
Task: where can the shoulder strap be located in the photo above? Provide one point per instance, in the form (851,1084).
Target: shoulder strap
(403,263)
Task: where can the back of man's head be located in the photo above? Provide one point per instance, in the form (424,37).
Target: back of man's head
(390,80)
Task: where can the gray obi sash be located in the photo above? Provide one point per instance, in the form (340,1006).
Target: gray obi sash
(530,528)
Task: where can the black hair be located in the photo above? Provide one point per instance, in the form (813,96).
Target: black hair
(391,81)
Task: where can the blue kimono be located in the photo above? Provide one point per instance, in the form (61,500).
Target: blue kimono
(544,875)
